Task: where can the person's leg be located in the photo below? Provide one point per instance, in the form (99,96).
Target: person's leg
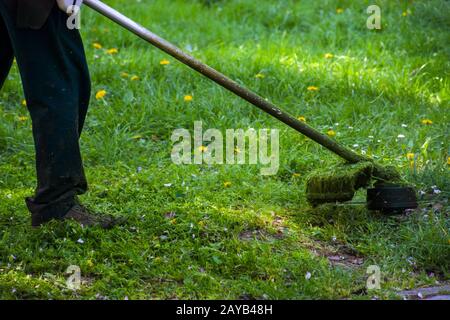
(6,53)
(56,83)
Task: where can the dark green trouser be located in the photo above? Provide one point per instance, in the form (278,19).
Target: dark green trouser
(56,83)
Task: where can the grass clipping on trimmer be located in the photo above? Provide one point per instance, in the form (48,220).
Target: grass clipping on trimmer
(340,183)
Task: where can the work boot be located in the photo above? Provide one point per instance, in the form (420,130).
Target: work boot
(83,216)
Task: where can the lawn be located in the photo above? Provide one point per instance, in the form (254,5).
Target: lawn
(226,231)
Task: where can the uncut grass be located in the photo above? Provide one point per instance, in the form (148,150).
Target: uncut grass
(374,83)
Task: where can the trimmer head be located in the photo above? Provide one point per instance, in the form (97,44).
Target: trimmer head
(337,184)
(391,198)
(340,183)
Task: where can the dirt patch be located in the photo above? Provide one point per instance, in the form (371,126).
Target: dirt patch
(260,235)
(279,231)
(87,281)
(345,260)
(337,255)
(429,293)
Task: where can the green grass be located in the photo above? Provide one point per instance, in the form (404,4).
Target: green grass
(256,238)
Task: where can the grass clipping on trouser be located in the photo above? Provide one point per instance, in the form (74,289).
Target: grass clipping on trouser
(339,183)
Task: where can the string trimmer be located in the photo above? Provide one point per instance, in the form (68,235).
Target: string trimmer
(335,185)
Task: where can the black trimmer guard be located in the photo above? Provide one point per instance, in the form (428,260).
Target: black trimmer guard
(391,198)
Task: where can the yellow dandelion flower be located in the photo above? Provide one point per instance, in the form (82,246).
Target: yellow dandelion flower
(202,148)
(427,121)
(134,78)
(227,184)
(448,160)
(312,88)
(164,62)
(112,51)
(24,103)
(331,133)
(23,118)
(97,45)
(124,75)
(301,118)
(260,76)
(410,156)
(328,55)
(339,10)
(100,94)
(188,98)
